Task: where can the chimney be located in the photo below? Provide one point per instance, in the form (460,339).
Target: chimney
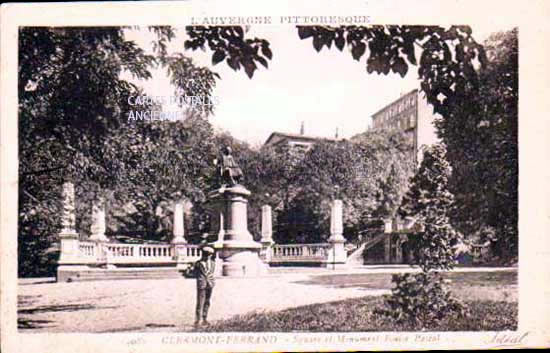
(302,129)
(336,135)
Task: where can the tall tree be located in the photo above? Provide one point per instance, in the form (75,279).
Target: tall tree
(300,183)
(481,134)
(73,125)
(170,161)
(70,98)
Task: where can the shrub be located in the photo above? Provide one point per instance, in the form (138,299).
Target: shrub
(421,299)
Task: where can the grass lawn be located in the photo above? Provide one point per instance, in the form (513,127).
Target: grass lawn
(491,286)
(383,280)
(490,296)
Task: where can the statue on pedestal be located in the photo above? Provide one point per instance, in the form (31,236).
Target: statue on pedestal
(228,170)
(238,252)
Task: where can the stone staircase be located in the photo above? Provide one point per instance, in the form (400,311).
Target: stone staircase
(356,257)
(101,274)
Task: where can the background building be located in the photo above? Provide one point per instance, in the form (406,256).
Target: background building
(412,115)
(295,140)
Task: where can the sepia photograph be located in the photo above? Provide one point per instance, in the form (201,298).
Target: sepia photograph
(256,181)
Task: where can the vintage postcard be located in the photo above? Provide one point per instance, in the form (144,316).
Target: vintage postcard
(184,176)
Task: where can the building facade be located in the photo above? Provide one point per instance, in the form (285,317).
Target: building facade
(413,116)
(293,140)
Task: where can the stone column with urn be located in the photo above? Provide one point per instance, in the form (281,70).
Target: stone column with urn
(69,256)
(337,253)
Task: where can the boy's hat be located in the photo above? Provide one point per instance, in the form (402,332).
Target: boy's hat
(208,249)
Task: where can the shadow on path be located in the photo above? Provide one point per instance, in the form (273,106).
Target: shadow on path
(159,325)
(45,281)
(152,327)
(23,323)
(26,323)
(57,308)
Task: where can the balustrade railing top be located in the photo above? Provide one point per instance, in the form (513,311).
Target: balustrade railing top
(299,252)
(138,253)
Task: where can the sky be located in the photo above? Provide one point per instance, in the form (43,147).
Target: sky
(326,90)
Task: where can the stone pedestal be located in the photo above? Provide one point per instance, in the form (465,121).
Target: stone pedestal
(69,253)
(337,256)
(238,251)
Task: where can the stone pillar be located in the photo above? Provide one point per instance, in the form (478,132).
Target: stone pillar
(178,240)
(267,233)
(97,228)
(178,228)
(68,236)
(337,254)
(98,221)
(69,259)
(68,211)
(238,251)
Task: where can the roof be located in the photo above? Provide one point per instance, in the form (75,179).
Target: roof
(394,101)
(296,137)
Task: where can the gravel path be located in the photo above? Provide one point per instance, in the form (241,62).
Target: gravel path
(164,304)
(167,304)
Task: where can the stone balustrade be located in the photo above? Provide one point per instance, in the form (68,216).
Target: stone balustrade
(87,249)
(99,251)
(300,253)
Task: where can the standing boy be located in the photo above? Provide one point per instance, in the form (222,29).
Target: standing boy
(204,271)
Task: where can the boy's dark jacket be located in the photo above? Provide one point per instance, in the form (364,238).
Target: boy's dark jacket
(204,273)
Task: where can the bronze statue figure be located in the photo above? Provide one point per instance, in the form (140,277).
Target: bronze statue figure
(228,170)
